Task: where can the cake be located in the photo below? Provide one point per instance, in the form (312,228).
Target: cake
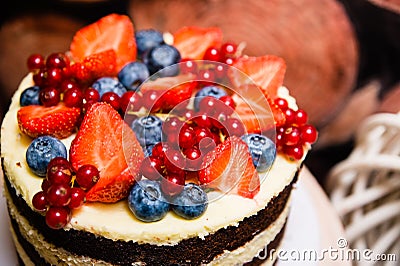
(87,182)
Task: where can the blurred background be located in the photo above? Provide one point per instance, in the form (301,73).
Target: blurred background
(343,56)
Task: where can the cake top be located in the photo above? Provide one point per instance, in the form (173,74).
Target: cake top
(163,121)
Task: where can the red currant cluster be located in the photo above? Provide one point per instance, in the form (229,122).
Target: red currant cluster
(225,54)
(63,190)
(295,133)
(179,156)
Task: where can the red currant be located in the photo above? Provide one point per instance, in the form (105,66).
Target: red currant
(150,100)
(49,96)
(172,125)
(174,161)
(68,84)
(193,158)
(290,115)
(294,152)
(91,95)
(39,201)
(229,103)
(172,184)
(35,62)
(78,198)
(206,76)
(281,103)
(59,176)
(228,50)
(202,120)
(54,77)
(151,168)
(87,176)
(291,136)
(309,134)
(300,117)
(208,105)
(57,60)
(59,195)
(39,77)
(58,217)
(159,150)
(186,138)
(111,98)
(188,66)
(45,185)
(73,97)
(58,163)
(234,127)
(130,102)
(212,54)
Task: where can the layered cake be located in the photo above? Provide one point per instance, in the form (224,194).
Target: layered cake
(149,148)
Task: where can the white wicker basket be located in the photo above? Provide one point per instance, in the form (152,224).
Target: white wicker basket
(365,188)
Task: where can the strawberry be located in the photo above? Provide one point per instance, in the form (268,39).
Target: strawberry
(103,64)
(107,142)
(173,90)
(229,168)
(192,41)
(113,31)
(267,72)
(58,121)
(256,110)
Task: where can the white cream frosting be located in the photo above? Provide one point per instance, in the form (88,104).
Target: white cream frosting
(115,221)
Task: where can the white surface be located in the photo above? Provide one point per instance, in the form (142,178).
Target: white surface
(312,224)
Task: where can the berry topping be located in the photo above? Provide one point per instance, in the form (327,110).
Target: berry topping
(148,130)
(162,58)
(59,121)
(41,151)
(147,39)
(107,142)
(147,202)
(191,203)
(211,90)
(262,150)
(267,72)
(133,74)
(58,217)
(114,32)
(192,42)
(87,176)
(30,96)
(107,84)
(230,169)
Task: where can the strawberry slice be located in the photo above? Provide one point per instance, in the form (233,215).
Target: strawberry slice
(267,72)
(257,111)
(229,168)
(192,41)
(173,90)
(113,31)
(106,141)
(103,64)
(58,121)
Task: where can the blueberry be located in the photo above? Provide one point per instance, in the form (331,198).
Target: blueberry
(191,203)
(106,84)
(262,150)
(214,91)
(163,57)
(41,151)
(30,96)
(147,39)
(133,74)
(147,202)
(148,130)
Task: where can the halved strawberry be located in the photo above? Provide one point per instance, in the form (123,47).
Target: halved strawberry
(113,31)
(192,41)
(256,110)
(106,141)
(173,90)
(92,67)
(229,168)
(266,71)
(59,121)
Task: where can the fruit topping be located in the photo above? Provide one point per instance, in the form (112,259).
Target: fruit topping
(147,39)
(191,203)
(41,151)
(30,96)
(230,169)
(262,150)
(59,121)
(211,90)
(267,72)
(192,42)
(107,84)
(107,142)
(148,130)
(114,32)
(147,202)
(162,59)
(133,74)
